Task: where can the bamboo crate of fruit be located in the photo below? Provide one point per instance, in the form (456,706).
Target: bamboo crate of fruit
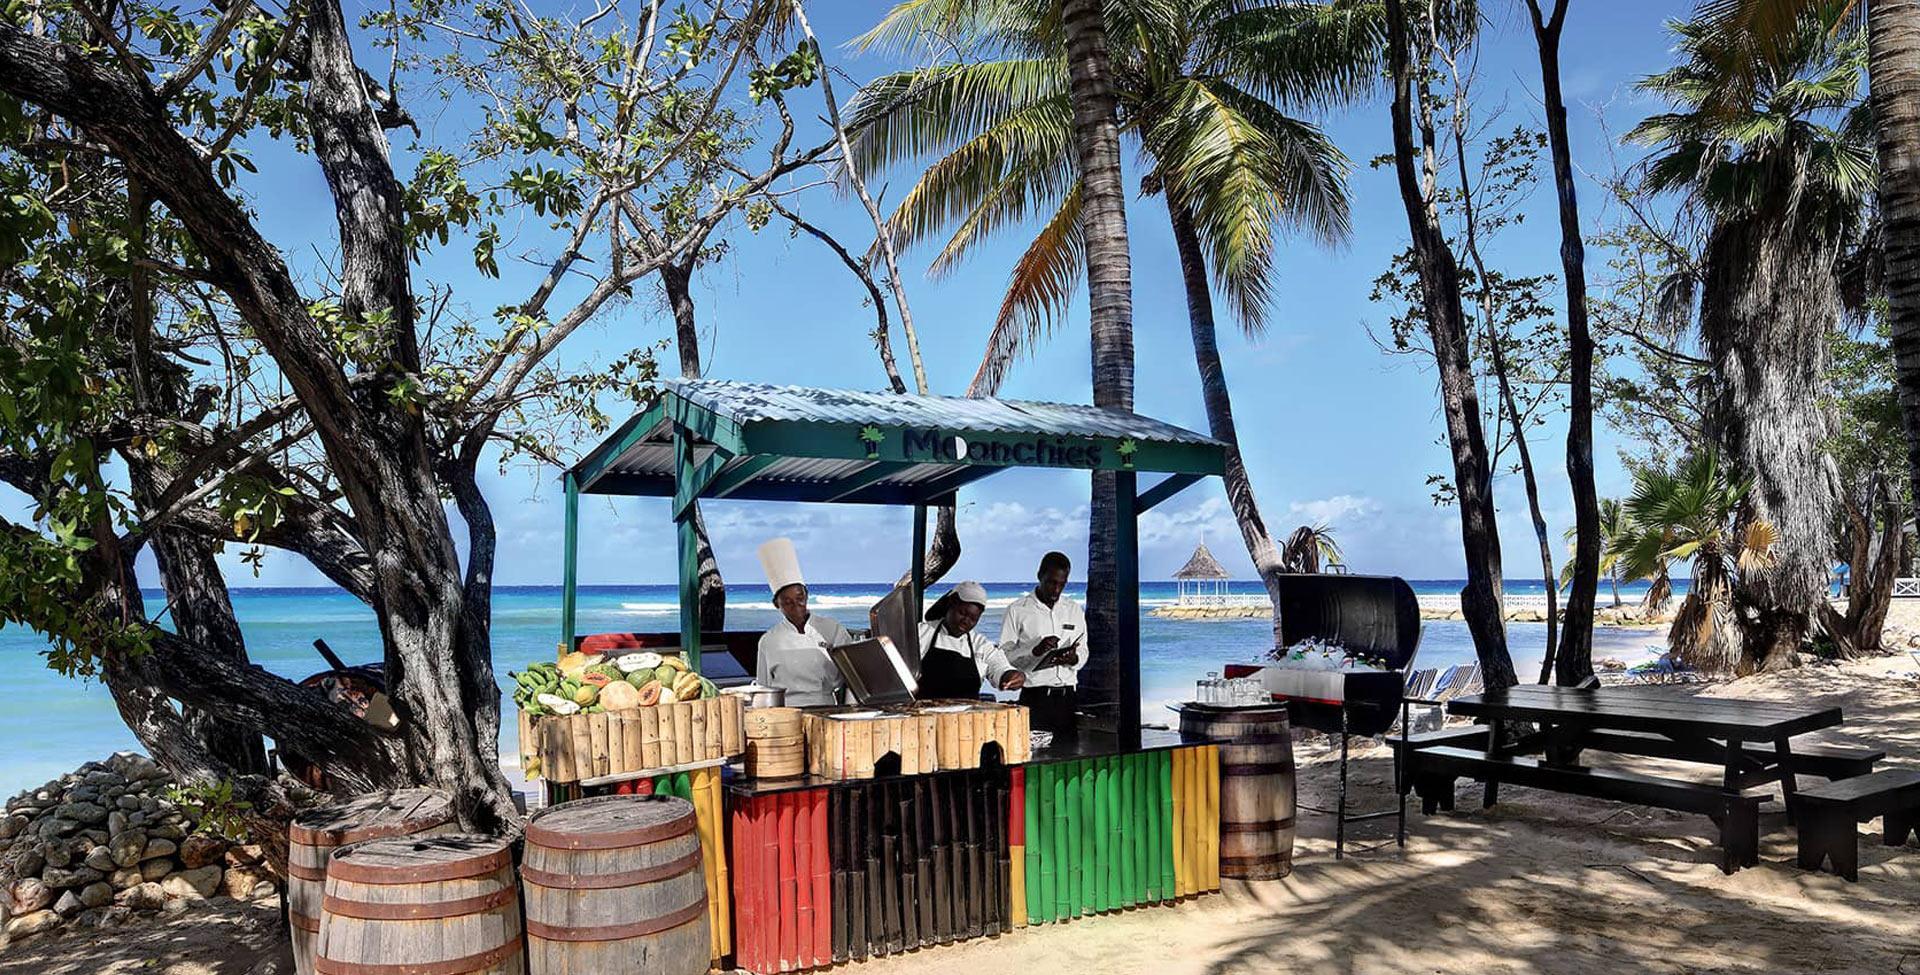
(586,718)
(927,736)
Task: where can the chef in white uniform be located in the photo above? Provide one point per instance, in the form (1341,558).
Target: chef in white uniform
(953,658)
(793,655)
(1045,634)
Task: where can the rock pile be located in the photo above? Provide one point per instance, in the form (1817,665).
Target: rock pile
(102,845)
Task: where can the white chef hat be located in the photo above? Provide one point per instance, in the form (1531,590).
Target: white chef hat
(781,563)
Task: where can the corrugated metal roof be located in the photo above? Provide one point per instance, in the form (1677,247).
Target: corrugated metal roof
(744,402)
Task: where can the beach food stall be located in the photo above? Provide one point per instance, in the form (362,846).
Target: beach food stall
(830,834)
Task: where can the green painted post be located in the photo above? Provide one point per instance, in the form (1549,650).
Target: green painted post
(1127,608)
(1110,797)
(1037,902)
(918,568)
(570,564)
(689,544)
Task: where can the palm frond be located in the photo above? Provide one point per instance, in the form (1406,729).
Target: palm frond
(1038,290)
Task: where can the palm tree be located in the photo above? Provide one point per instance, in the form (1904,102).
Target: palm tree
(1308,548)
(1614,529)
(1694,515)
(1747,34)
(1201,85)
(1784,178)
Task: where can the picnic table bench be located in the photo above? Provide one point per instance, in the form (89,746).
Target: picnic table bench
(1751,742)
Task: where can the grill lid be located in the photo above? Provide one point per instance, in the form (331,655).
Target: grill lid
(1373,615)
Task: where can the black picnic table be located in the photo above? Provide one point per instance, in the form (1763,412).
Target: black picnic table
(1752,743)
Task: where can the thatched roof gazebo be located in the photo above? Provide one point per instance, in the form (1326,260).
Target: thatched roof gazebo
(1203,580)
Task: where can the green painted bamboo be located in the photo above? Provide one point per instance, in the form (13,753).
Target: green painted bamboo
(1036,780)
(1062,842)
(1124,855)
(1103,835)
(1116,829)
(1164,814)
(1069,818)
(1143,828)
(1089,869)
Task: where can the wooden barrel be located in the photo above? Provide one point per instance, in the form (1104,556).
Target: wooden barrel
(422,905)
(1256,787)
(771,722)
(615,884)
(776,758)
(315,833)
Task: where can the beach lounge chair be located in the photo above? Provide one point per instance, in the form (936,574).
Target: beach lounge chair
(1430,714)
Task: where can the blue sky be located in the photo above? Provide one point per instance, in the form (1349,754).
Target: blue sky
(1333,430)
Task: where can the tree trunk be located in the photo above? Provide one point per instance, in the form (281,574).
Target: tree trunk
(1768,300)
(1575,663)
(197,597)
(1893,72)
(1874,558)
(1481,599)
(1213,388)
(676,279)
(1096,137)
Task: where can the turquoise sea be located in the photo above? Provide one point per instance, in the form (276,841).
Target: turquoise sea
(51,723)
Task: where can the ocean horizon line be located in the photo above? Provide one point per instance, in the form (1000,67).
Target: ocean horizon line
(604,586)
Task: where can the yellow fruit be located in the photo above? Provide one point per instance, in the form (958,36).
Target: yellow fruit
(585,695)
(686,687)
(573,664)
(677,663)
(667,696)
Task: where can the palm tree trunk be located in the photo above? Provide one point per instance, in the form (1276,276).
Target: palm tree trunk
(1893,72)
(676,279)
(1768,300)
(1213,389)
(1575,661)
(1096,137)
(1481,598)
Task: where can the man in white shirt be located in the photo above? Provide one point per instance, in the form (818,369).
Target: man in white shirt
(1044,634)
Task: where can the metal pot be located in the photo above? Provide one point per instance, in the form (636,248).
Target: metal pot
(760,695)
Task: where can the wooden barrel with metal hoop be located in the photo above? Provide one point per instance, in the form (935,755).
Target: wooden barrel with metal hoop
(614,884)
(422,905)
(1256,786)
(315,833)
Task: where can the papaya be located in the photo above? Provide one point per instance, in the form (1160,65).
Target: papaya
(618,696)
(650,693)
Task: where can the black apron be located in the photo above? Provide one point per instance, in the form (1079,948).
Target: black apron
(944,672)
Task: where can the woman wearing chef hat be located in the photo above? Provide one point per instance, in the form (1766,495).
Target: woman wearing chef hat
(793,655)
(953,658)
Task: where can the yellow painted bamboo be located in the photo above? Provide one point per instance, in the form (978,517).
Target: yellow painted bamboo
(1018,887)
(1211,827)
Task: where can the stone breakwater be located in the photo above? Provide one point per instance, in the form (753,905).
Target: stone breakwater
(102,846)
(1527,609)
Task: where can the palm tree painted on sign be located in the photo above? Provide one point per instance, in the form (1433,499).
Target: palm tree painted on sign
(1203,87)
(1694,515)
(1784,176)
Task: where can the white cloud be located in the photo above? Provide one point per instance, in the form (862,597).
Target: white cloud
(1332,511)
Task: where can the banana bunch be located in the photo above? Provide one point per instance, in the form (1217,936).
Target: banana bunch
(530,684)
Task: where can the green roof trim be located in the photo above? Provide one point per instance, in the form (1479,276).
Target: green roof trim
(790,443)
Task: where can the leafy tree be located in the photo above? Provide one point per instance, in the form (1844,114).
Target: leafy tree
(329,410)
(1784,179)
